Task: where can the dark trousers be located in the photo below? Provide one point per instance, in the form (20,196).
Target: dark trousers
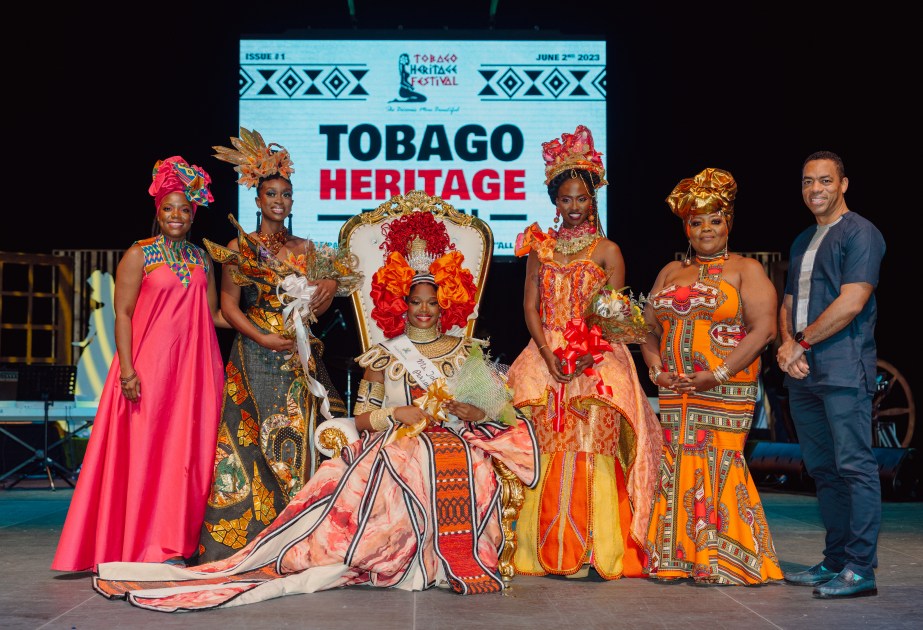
(834,426)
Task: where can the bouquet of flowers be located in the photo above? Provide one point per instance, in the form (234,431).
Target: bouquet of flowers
(619,314)
(328,261)
(482,383)
(479,382)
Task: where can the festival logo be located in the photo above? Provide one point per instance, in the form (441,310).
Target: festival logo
(406,93)
(424,70)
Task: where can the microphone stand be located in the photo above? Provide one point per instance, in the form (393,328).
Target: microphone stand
(339,320)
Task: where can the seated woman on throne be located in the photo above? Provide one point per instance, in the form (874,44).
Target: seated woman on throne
(430,407)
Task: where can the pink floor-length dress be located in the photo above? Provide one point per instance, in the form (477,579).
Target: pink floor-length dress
(141,491)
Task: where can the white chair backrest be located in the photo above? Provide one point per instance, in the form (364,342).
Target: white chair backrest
(362,234)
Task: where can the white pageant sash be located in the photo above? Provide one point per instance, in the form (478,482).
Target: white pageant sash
(423,371)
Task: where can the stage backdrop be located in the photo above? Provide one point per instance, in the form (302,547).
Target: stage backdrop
(464,120)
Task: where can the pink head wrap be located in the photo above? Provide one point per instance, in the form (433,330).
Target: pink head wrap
(176,175)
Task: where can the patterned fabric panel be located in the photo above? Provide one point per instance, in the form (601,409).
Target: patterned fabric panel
(179,257)
(702,324)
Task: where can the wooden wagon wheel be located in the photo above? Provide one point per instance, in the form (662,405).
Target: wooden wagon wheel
(893,404)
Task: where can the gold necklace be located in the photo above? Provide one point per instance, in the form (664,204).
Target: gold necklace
(574,245)
(572,240)
(422,335)
(274,241)
(703,259)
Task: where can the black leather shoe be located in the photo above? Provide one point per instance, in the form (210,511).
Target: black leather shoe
(846,584)
(816,575)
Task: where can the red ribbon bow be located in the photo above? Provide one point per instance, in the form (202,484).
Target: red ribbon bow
(581,340)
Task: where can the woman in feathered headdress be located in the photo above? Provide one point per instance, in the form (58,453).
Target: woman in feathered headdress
(142,487)
(598,435)
(413,502)
(277,386)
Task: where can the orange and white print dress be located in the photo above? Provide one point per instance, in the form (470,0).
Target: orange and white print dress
(707,521)
(598,474)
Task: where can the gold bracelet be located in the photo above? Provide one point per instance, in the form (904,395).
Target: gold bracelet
(381,419)
(653,372)
(128,379)
(722,373)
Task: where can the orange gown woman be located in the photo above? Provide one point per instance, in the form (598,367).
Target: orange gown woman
(598,436)
(712,317)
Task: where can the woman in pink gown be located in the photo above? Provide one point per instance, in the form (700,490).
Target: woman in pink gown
(145,478)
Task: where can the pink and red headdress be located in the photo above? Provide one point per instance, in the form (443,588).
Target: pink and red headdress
(572,151)
(174,174)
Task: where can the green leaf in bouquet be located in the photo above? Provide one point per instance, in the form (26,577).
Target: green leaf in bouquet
(481,383)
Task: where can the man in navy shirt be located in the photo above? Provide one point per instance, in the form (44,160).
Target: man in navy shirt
(827,323)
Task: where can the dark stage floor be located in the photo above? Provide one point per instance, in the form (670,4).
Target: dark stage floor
(31,516)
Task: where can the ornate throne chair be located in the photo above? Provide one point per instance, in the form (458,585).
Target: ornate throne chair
(473,237)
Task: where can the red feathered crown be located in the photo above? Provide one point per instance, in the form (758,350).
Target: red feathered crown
(418,249)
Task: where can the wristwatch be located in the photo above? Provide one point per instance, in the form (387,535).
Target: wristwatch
(799,337)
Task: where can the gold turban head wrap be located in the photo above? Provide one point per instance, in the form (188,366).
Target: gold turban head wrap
(712,190)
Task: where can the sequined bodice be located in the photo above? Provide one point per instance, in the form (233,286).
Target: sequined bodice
(258,273)
(567,288)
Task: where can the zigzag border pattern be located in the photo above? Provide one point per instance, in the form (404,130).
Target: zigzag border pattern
(302,82)
(543,83)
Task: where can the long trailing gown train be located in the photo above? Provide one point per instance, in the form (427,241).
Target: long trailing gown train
(141,491)
(707,520)
(411,513)
(598,473)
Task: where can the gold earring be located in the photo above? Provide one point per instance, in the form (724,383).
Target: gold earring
(688,260)
(557,217)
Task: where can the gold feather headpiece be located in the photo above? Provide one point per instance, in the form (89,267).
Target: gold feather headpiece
(255,159)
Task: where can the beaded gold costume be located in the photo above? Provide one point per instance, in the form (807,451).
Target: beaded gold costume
(265,450)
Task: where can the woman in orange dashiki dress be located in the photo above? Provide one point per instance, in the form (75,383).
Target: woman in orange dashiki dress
(598,435)
(712,317)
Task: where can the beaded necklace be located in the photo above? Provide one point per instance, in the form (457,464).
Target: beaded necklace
(702,259)
(174,255)
(273,241)
(572,240)
(422,335)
